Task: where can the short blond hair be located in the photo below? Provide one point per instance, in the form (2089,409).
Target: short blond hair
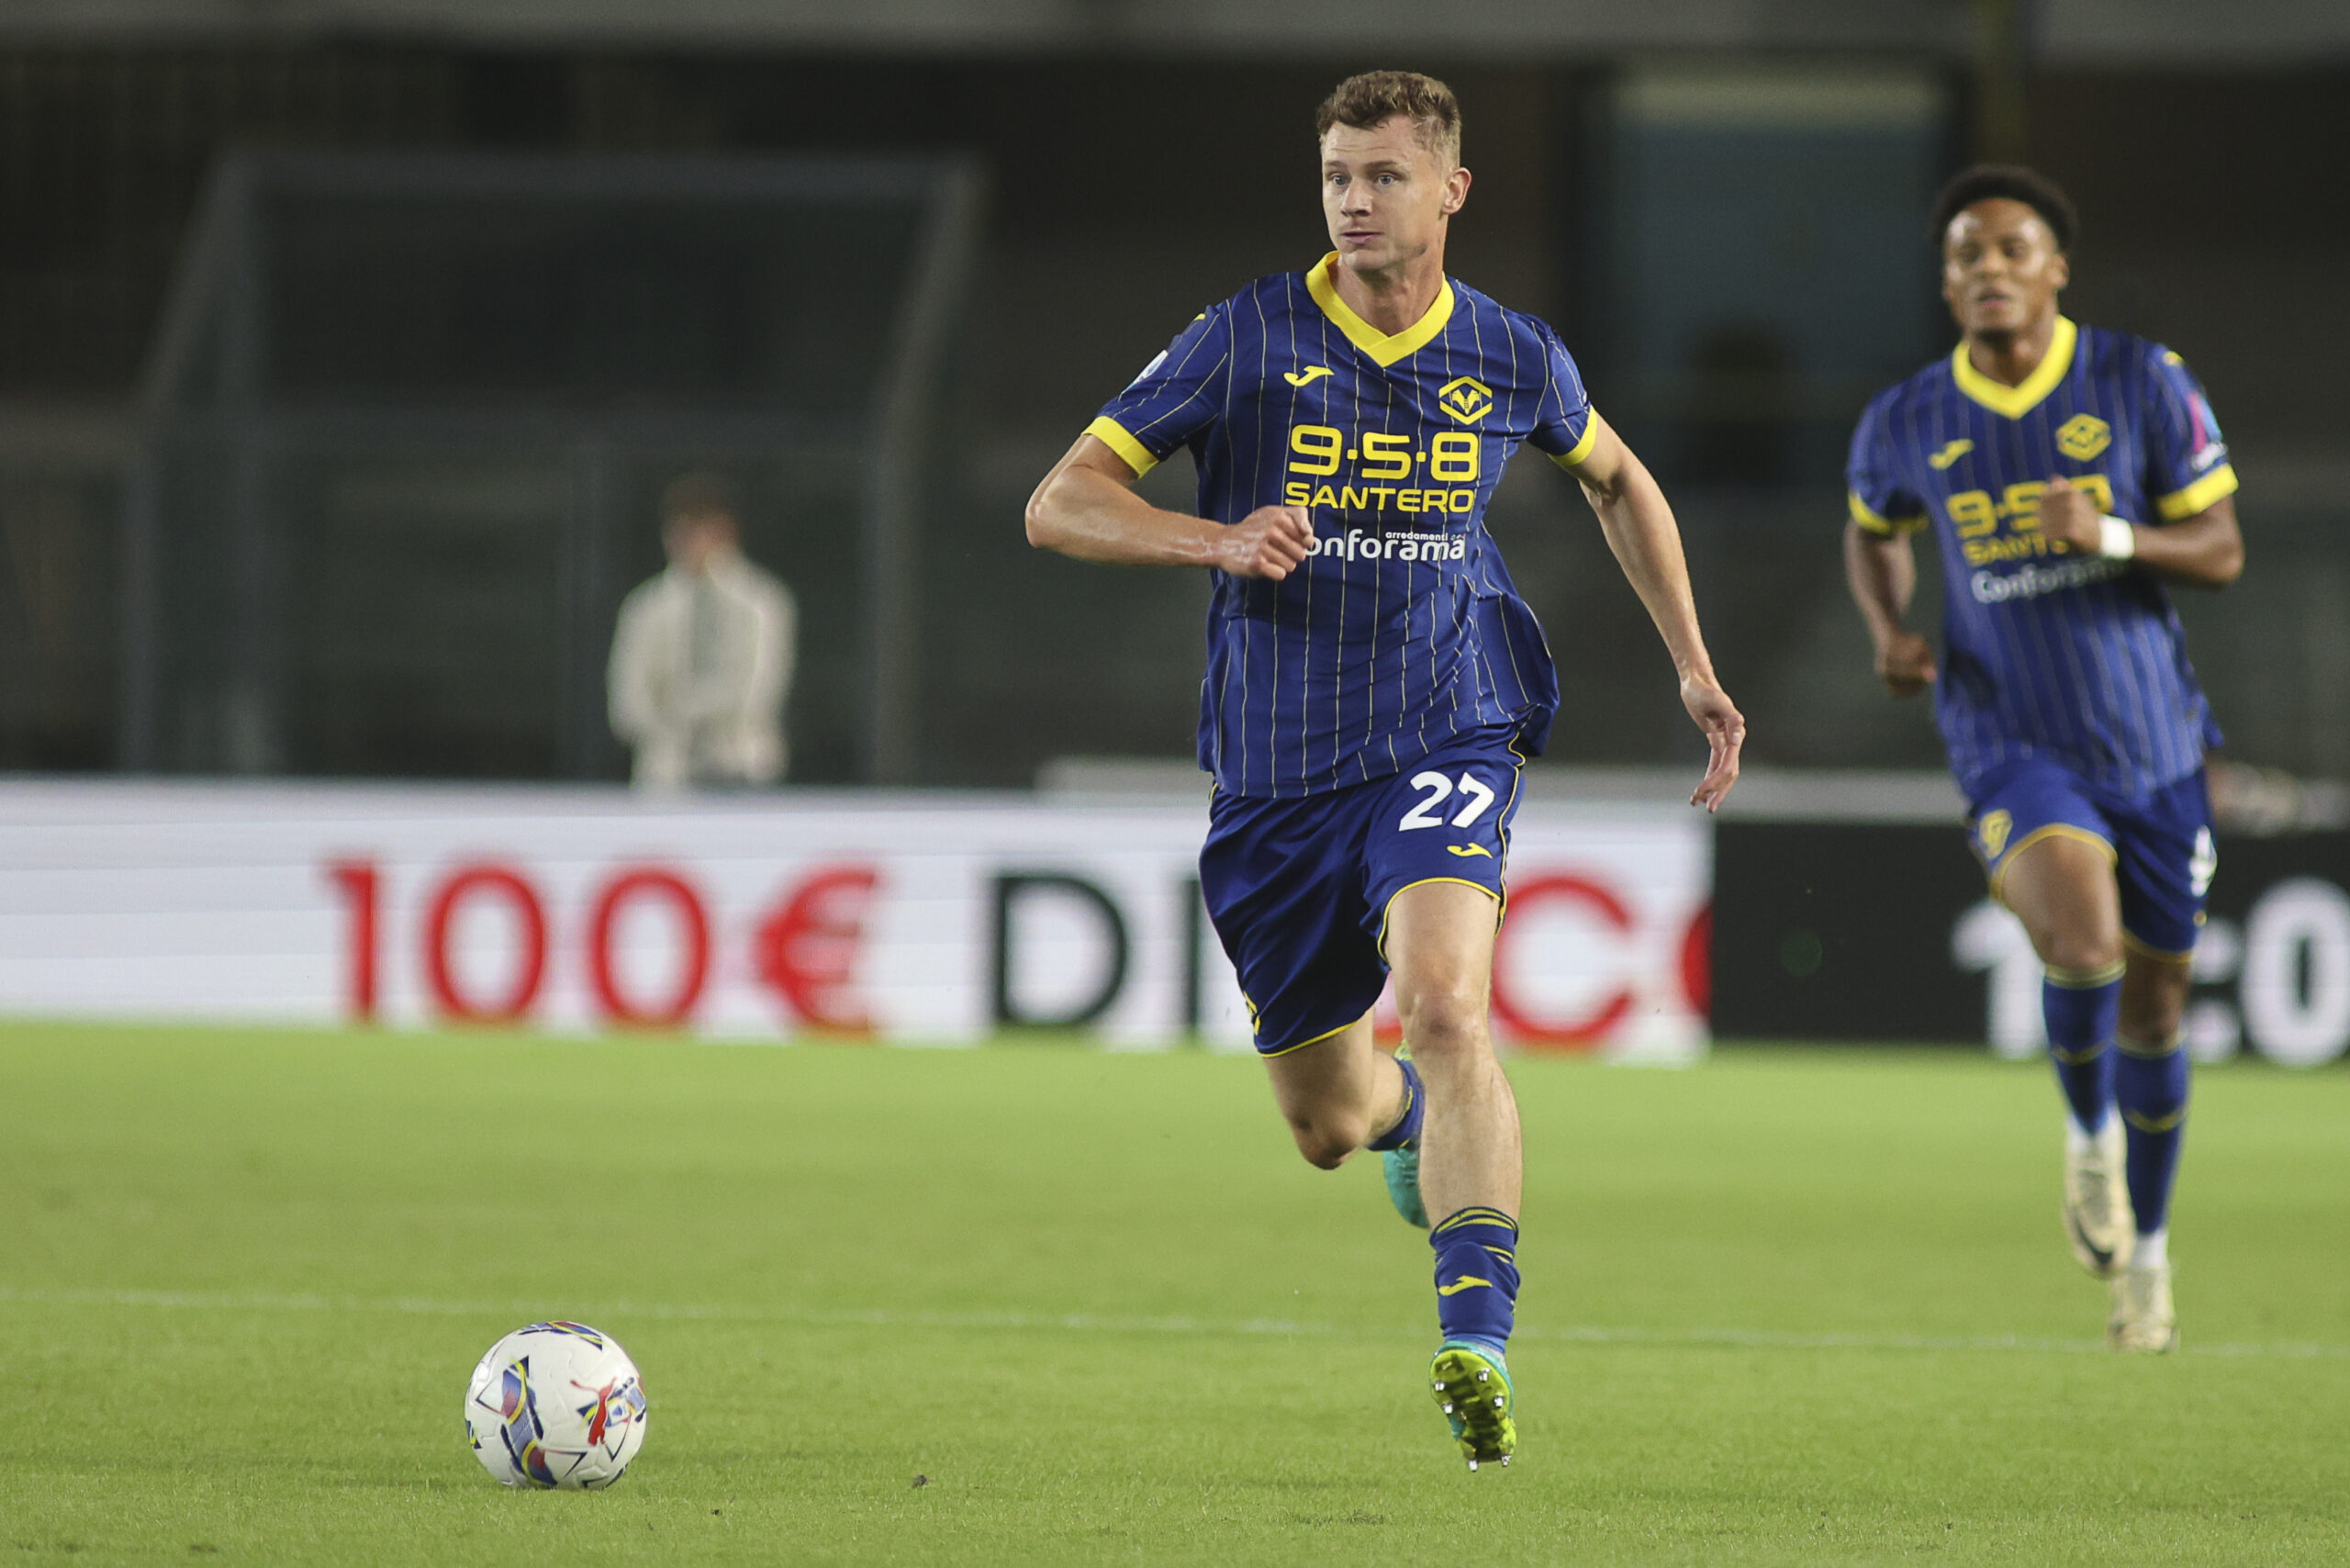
(1371,99)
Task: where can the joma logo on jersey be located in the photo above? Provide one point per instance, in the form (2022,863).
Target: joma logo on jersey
(1950,454)
(1466,398)
(2082,436)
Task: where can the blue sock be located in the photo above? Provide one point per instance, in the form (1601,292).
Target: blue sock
(1416,1105)
(1476,1278)
(2150,1084)
(2081,1007)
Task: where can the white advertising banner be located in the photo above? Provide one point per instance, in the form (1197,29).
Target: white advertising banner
(923,918)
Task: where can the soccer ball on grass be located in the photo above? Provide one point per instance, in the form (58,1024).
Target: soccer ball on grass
(555,1404)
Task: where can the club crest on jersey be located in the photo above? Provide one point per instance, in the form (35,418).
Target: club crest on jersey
(1466,398)
(2082,436)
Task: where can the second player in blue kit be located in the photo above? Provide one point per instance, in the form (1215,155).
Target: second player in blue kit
(2067,472)
(1374,680)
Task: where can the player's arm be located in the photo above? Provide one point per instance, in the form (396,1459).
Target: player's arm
(2206,549)
(1882,572)
(1087,509)
(635,706)
(1639,524)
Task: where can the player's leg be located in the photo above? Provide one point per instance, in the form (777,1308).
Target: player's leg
(1433,845)
(1440,941)
(2062,888)
(1340,1093)
(2150,1088)
(2057,876)
(2166,861)
(2151,1083)
(1283,890)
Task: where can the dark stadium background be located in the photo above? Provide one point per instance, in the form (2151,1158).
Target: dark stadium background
(1140,162)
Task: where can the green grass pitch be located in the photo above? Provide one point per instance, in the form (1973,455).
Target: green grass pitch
(1041,1305)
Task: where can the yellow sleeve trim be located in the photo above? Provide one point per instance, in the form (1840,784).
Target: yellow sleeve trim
(1113,434)
(1571,460)
(1887,526)
(2185,503)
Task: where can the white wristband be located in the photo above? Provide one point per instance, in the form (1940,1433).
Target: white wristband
(2118,540)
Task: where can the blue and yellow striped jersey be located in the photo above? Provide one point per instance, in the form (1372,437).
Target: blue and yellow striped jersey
(1402,628)
(2049,654)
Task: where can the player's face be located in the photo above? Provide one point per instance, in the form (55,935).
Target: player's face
(2001,269)
(1384,196)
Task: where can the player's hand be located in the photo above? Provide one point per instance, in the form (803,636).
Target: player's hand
(1725,730)
(1268,543)
(2069,518)
(1905,663)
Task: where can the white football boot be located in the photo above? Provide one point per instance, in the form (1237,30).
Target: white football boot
(2143,1319)
(2097,1201)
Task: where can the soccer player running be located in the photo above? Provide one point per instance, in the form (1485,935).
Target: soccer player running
(2067,472)
(1374,681)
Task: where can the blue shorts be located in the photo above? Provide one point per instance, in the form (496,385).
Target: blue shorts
(1299,890)
(2160,844)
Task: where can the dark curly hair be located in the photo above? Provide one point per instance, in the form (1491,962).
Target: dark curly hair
(2010,182)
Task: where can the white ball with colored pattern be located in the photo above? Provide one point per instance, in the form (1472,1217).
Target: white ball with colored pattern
(555,1404)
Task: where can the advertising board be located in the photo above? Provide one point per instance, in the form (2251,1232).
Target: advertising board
(1885,932)
(928,918)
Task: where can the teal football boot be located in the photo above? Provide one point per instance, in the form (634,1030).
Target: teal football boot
(1402,1168)
(1472,1388)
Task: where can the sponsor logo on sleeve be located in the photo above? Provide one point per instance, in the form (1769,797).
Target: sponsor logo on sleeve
(2203,433)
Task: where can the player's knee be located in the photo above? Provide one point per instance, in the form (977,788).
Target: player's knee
(2151,1018)
(1327,1137)
(1442,1019)
(2073,952)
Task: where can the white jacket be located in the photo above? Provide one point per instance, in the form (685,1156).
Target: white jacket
(700,668)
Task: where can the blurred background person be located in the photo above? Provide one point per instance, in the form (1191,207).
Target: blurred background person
(701,656)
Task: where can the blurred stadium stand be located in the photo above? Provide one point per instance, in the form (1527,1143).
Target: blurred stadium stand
(408,415)
(1721,205)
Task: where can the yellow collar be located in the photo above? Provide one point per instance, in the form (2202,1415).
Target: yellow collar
(2015,402)
(1383,349)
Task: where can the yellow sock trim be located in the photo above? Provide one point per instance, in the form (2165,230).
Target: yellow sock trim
(2144,1051)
